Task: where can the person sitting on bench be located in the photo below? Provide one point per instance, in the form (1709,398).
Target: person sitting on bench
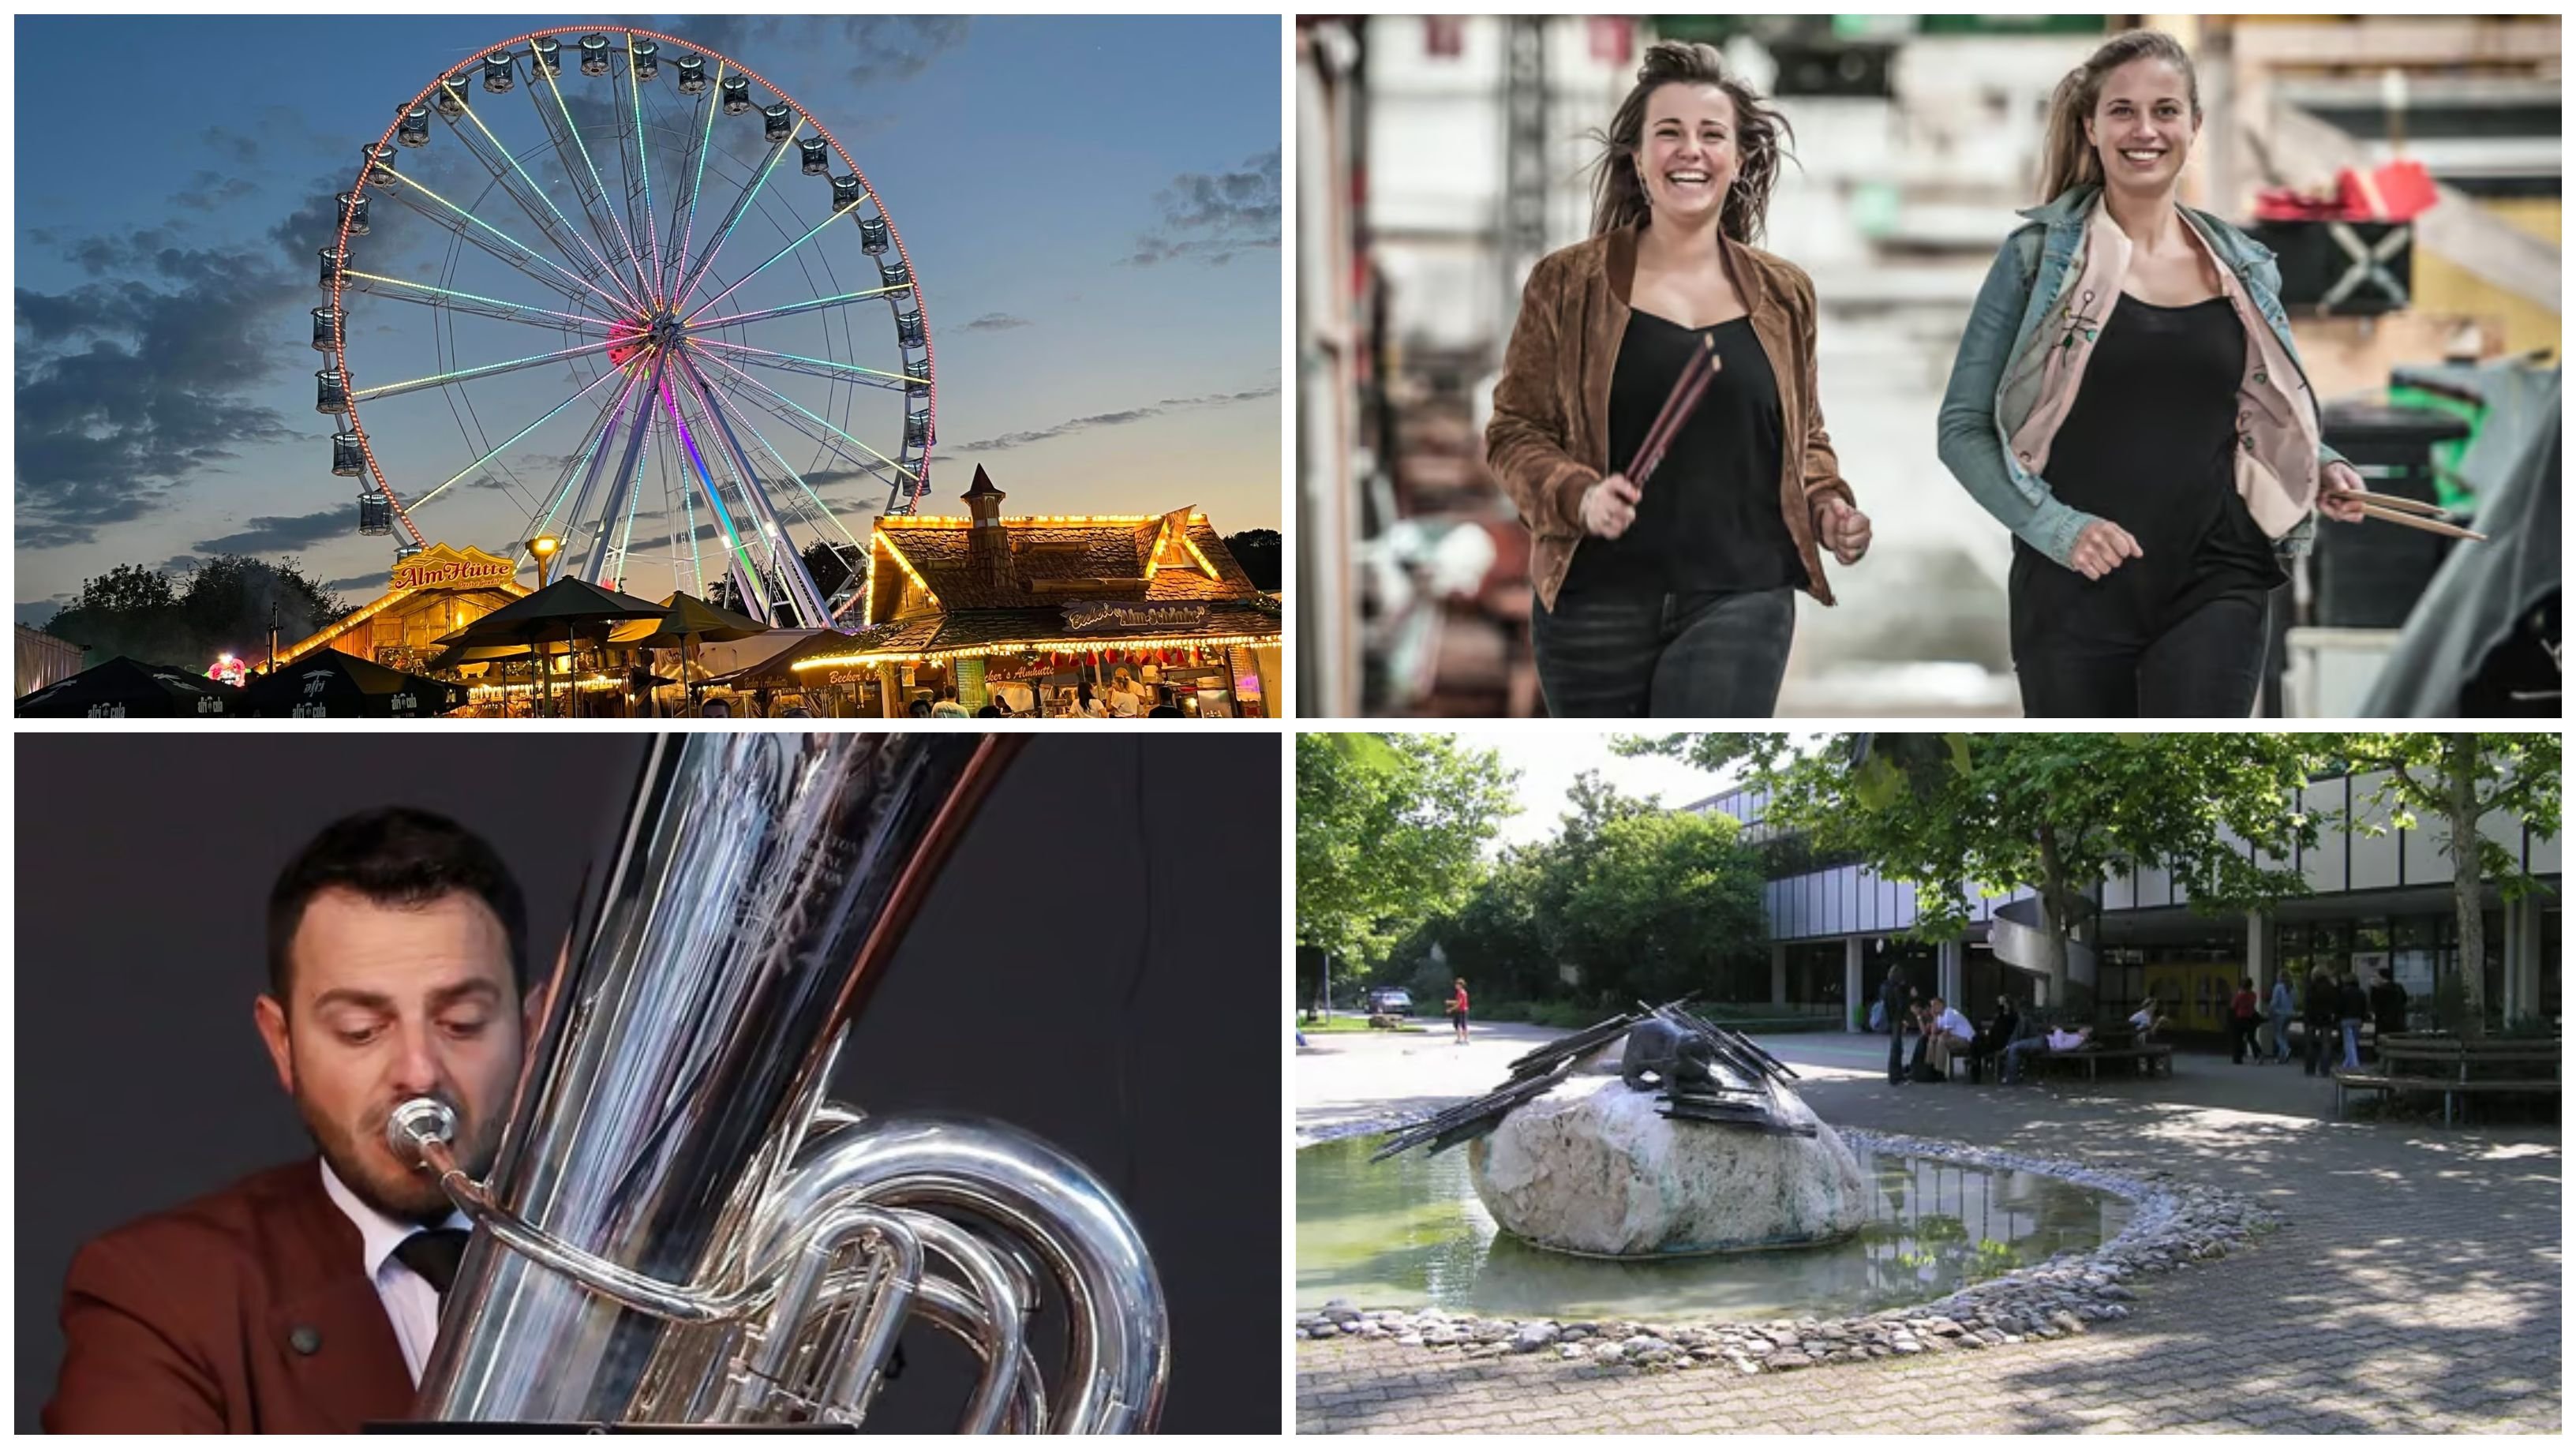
(1945,1034)
(2055,1041)
(2148,1020)
(1991,1042)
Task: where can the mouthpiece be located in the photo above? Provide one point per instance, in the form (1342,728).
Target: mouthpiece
(418,1123)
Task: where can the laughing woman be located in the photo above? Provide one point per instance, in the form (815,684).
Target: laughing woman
(1674,598)
(2128,401)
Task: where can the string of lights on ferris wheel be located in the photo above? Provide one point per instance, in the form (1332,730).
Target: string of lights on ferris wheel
(614,280)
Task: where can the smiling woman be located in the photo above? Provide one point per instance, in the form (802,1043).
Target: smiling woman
(1673,600)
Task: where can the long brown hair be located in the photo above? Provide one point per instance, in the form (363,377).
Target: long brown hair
(1619,195)
(2067,159)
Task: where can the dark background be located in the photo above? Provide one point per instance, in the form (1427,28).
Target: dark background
(1094,965)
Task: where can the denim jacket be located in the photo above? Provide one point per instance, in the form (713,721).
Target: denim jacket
(2021,360)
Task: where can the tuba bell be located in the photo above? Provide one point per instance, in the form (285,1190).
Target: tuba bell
(679,1228)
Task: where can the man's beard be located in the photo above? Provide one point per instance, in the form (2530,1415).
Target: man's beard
(414,1194)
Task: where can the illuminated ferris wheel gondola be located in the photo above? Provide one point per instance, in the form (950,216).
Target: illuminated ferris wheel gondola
(636,287)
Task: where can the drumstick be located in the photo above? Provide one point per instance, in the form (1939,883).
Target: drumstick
(2403,505)
(1685,400)
(2428,525)
(1672,399)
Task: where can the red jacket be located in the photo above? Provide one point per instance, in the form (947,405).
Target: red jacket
(245,1311)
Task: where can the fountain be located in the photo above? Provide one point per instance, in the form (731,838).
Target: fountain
(1689,1141)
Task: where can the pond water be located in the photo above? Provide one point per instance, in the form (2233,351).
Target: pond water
(1410,1233)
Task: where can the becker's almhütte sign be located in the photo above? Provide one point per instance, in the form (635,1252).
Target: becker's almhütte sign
(1101,618)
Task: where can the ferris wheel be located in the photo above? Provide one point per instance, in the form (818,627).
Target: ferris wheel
(646,297)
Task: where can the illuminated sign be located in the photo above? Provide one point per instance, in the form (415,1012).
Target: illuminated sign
(441,567)
(1100,618)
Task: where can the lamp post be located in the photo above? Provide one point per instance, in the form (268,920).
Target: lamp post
(542,548)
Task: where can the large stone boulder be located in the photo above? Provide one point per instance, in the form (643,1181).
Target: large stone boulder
(1592,1168)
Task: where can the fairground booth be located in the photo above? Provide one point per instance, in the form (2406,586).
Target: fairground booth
(432,593)
(1044,615)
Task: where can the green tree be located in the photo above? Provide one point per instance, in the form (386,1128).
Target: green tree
(1390,830)
(1657,903)
(224,603)
(2460,779)
(2051,812)
(1640,900)
(832,565)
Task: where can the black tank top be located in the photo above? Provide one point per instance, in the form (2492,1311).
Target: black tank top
(1710,519)
(2150,445)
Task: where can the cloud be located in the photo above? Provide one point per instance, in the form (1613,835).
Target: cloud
(279,535)
(1110,420)
(365,585)
(881,47)
(232,145)
(132,384)
(208,190)
(1215,218)
(994,322)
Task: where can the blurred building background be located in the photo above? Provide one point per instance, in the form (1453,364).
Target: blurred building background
(1438,157)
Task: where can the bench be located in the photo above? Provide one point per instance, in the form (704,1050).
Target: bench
(2150,1056)
(2414,1063)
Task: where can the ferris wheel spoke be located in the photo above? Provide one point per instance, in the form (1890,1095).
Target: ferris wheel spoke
(740,564)
(572,131)
(621,486)
(741,204)
(789,469)
(643,166)
(836,215)
(698,177)
(824,422)
(783,558)
(587,253)
(489,369)
(469,469)
(406,185)
(866,463)
(595,455)
(794,308)
(811,366)
(422,293)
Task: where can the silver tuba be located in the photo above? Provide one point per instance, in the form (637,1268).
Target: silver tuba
(679,1228)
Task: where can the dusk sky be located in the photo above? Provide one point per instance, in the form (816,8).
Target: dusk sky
(1091,207)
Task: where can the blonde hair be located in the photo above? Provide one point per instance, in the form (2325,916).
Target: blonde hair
(1619,194)
(2067,158)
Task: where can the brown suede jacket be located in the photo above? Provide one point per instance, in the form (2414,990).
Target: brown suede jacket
(1550,437)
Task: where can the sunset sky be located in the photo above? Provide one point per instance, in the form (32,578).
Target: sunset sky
(1091,206)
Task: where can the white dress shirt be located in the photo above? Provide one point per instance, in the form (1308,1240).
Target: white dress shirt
(1951,1023)
(409,1301)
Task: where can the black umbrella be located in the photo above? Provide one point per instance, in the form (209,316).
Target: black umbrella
(691,621)
(567,609)
(330,684)
(125,688)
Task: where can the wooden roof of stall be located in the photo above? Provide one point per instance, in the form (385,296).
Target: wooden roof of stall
(1175,557)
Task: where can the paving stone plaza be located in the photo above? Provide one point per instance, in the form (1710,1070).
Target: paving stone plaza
(2414,1286)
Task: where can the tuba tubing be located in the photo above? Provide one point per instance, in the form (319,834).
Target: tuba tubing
(680,1228)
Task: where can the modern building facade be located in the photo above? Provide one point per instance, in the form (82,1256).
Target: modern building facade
(2378,901)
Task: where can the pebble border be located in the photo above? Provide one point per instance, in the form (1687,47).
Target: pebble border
(2172,1224)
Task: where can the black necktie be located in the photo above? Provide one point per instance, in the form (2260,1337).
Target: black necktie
(433,1253)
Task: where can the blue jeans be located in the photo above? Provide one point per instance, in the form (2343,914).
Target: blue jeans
(1701,655)
(2352,1044)
(2035,1045)
(2280,1038)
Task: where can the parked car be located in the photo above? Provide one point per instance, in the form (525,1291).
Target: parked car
(1390,1001)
